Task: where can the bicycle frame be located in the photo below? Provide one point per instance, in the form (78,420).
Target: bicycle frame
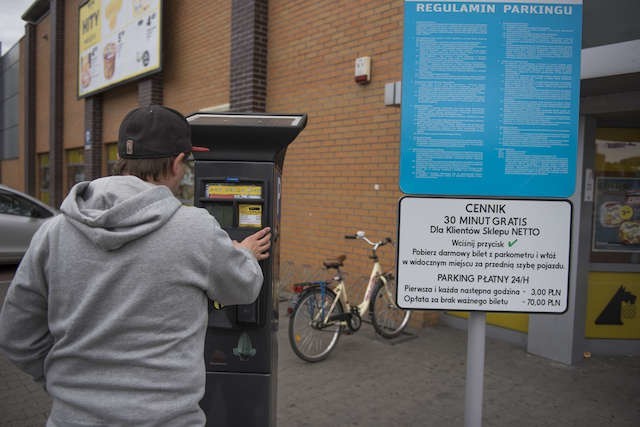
(324,317)
(341,294)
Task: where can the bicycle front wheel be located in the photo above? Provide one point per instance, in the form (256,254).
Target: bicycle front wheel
(387,318)
(311,335)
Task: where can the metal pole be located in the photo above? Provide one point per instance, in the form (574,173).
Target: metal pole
(475,369)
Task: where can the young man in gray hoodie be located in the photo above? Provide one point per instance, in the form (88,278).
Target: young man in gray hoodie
(108,308)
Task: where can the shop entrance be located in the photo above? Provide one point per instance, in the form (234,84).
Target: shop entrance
(614,274)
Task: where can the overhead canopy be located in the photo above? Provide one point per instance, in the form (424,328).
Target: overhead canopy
(245,136)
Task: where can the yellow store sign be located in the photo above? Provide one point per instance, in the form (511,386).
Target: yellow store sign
(612,306)
(90,24)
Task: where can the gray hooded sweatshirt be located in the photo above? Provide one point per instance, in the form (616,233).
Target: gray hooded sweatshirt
(109,305)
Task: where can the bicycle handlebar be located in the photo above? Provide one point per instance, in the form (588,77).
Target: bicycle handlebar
(361,235)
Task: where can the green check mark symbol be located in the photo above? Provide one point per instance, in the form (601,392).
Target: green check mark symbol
(512,243)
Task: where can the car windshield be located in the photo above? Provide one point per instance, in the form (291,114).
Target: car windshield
(13,204)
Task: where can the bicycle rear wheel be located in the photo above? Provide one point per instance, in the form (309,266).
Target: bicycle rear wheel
(311,338)
(387,318)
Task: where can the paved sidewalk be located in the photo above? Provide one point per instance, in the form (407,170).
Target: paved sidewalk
(23,403)
(420,381)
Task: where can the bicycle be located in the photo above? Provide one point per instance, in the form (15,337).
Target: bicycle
(322,311)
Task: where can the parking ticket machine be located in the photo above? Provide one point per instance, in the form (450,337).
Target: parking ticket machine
(239,181)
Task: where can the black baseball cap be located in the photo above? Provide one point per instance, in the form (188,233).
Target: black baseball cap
(154,132)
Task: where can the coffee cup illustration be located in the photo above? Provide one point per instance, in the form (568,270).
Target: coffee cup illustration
(109,58)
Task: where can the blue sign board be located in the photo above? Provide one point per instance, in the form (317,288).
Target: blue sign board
(490,97)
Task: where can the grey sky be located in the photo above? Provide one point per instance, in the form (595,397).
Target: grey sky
(11,26)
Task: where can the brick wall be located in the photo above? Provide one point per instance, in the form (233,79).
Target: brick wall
(43,89)
(151,90)
(351,141)
(73,136)
(92,127)
(196,49)
(117,102)
(248,55)
(27,109)
(341,174)
(56,102)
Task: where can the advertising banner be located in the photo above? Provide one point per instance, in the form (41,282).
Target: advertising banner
(119,40)
(490,97)
(617,215)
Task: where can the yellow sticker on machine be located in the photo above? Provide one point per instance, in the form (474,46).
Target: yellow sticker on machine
(233,191)
(250,216)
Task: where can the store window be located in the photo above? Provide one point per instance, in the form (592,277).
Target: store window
(44,178)
(75,167)
(614,279)
(185,191)
(616,226)
(111,151)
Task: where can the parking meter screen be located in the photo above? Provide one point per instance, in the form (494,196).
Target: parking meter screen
(225,190)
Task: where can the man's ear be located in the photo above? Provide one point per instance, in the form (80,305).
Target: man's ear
(176,164)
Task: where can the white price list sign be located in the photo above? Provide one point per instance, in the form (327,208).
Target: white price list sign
(484,254)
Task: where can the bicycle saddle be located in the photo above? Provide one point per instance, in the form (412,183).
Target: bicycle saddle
(334,262)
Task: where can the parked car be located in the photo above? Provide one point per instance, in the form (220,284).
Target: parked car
(20,217)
